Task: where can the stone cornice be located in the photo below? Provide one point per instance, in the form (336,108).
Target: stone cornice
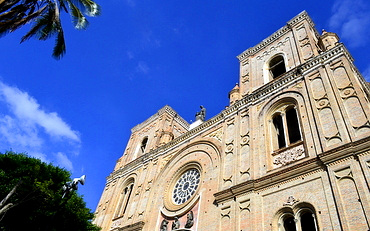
(288,79)
(165,109)
(296,170)
(269,180)
(275,36)
(133,227)
(325,57)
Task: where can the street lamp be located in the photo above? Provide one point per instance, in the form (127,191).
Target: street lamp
(72,185)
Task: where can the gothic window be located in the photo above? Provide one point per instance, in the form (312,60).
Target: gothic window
(143,145)
(124,199)
(277,66)
(286,129)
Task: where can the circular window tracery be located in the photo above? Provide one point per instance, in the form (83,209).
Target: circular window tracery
(186,186)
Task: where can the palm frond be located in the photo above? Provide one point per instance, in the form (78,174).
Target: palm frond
(78,18)
(91,8)
(7,4)
(60,45)
(27,19)
(40,24)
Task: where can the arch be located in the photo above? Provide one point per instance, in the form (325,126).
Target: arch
(302,217)
(277,66)
(124,197)
(274,67)
(284,123)
(143,145)
(298,140)
(203,155)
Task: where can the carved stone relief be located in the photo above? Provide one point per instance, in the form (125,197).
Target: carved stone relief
(288,156)
(350,200)
(244,214)
(290,201)
(351,102)
(117,223)
(216,134)
(304,42)
(245,72)
(225,212)
(229,152)
(244,146)
(328,123)
(244,157)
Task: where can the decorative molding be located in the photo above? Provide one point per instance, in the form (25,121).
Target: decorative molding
(275,36)
(229,148)
(290,201)
(272,49)
(245,205)
(244,139)
(138,226)
(217,134)
(289,155)
(165,109)
(225,211)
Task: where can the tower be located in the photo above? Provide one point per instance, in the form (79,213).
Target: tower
(291,152)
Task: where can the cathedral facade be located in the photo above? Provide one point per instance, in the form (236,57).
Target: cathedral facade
(291,152)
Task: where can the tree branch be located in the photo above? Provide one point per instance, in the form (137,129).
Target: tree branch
(2,203)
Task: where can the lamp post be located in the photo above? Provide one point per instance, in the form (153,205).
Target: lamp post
(73,185)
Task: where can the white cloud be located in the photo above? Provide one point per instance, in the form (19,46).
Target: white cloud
(366,74)
(25,127)
(352,19)
(26,109)
(19,133)
(64,161)
(142,67)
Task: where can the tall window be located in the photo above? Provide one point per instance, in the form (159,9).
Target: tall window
(289,224)
(308,221)
(143,145)
(286,127)
(277,66)
(124,200)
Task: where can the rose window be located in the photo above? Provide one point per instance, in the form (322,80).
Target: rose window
(186,186)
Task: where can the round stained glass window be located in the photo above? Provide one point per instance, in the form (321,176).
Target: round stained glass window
(186,186)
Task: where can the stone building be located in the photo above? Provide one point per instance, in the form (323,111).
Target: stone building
(290,152)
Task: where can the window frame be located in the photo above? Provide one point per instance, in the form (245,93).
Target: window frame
(124,199)
(296,213)
(281,111)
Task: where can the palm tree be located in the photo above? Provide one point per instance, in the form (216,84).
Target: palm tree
(45,15)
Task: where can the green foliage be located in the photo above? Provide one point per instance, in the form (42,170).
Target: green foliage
(38,199)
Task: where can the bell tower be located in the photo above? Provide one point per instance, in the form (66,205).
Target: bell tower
(156,131)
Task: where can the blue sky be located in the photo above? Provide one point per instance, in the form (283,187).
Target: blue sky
(135,58)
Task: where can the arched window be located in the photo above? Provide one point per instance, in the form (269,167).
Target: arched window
(289,224)
(301,220)
(143,145)
(286,130)
(277,66)
(308,221)
(124,199)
